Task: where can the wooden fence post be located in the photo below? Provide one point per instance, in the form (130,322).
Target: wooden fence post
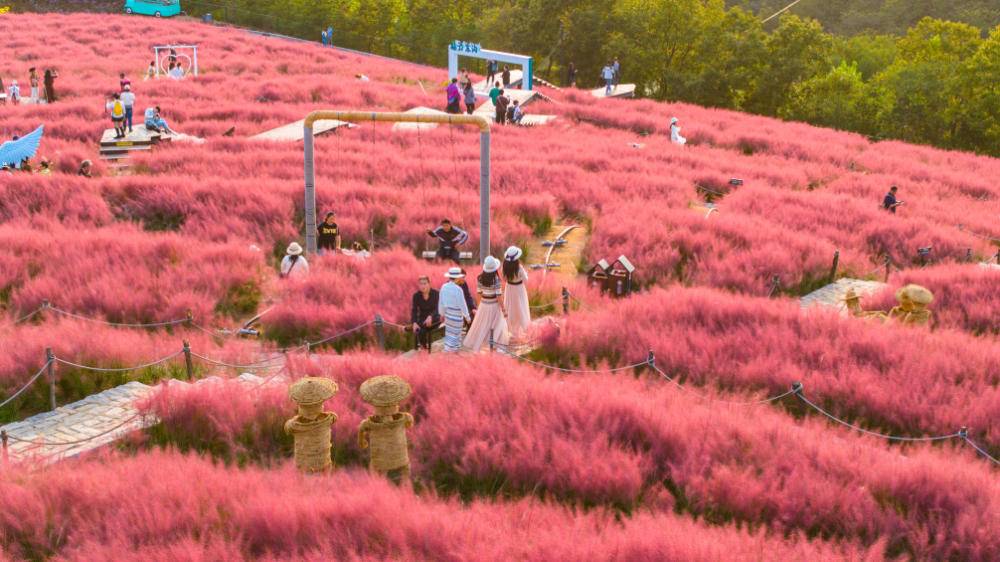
(836,263)
(3,444)
(380,331)
(188,365)
(50,372)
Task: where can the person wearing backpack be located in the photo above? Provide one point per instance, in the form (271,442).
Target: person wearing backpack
(117,109)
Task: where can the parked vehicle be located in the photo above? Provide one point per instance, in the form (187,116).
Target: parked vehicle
(155,8)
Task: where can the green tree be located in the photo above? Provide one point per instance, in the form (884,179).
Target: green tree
(839,99)
(797,50)
(978,114)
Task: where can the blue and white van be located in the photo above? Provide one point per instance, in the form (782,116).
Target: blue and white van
(155,8)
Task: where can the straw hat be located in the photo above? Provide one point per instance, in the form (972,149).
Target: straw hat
(513,253)
(312,390)
(385,390)
(455,273)
(294,249)
(918,294)
(491,264)
(850,295)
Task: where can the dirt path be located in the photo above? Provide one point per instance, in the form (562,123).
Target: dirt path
(567,256)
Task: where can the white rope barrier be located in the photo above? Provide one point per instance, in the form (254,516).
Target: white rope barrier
(26,386)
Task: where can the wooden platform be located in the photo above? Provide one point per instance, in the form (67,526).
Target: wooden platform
(410,127)
(833,294)
(621,91)
(293,132)
(139,139)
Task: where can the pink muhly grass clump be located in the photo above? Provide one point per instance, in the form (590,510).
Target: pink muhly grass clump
(858,369)
(165,506)
(488,426)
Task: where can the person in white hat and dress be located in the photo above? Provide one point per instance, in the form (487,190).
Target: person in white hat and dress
(294,264)
(490,315)
(675,132)
(453,308)
(516,296)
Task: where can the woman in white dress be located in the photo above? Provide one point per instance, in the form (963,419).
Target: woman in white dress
(675,132)
(516,296)
(489,316)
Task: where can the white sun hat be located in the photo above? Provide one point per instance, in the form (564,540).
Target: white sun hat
(491,264)
(455,273)
(513,253)
(294,249)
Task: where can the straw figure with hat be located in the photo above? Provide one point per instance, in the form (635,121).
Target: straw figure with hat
(311,427)
(489,321)
(384,433)
(516,297)
(853,303)
(294,263)
(918,297)
(453,308)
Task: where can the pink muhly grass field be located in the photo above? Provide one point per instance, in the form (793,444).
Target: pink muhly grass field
(488,426)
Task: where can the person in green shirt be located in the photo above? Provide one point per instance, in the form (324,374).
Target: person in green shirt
(495,93)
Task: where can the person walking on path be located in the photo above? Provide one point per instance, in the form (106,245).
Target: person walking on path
(14,92)
(117,109)
(501,106)
(454,97)
(489,322)
(495,93)
(470,99)
(571,75)
(617,68)
(492,67)
(424,315)
(50,85)
(33,81)
(128,100)
(608,74)
(454,311)
(294,264)
(516,295)
(464,80)
(505,77)
(150,71)
(890,203)
(328,234)
(675,132)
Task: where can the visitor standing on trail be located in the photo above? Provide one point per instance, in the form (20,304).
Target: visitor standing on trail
(328,234)
(14,92)
(117,109)
(489,324)
(454,97)
(675,132)
(617,67)
(50,85)
(464,81)
(516,296)
(890,203)
(505,77)
(492,67)
(452,307)
(324,38)
(424,313)
(128,100)
(294,263)
(123,82)
(33,81)
(150,70)
(608,74)
(470,99)
(450,238)
(501,105)
(571,75)
(495,93)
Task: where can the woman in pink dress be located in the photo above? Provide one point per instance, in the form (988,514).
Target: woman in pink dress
(489,316)
(516,296)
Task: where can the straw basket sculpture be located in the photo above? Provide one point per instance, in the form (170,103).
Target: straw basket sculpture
(311,427)
(385,432)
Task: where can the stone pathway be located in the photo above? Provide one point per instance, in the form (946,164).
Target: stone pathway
(833,294)
(95,421)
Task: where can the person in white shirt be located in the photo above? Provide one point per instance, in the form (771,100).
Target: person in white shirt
(675,132)
(608,74)
(518,113)
(454,310)
(294,264)
(14,93)
(128,100)
(176,72)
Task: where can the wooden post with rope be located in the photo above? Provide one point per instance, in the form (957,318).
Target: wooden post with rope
(380,331)
(836,263)
(50,373)
(188,365)
(565,300)
(888,268)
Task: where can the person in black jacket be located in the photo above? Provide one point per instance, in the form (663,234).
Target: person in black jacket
(424,313)
(890,202)
(469,301)
(329,234)
(450,237)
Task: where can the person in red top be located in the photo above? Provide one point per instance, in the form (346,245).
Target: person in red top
(122,82)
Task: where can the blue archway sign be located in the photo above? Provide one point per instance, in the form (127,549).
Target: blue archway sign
(475,50)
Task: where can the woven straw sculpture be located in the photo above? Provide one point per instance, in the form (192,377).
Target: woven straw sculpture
(385,432)
(311,427)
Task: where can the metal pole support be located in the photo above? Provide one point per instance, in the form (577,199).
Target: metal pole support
(836,263)
(797,388)
(3,446)
(380,331)
(310,202)
(565,300)
(484,195)
(190,318)
(775,285)
(968,255)
(963,432)
(50,372)
(188,365)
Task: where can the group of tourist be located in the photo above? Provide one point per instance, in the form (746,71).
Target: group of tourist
(611,74)
(13,93)
(121,107)
(493,321)
(460,91)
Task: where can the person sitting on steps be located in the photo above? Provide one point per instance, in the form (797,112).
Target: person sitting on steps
(450,238)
